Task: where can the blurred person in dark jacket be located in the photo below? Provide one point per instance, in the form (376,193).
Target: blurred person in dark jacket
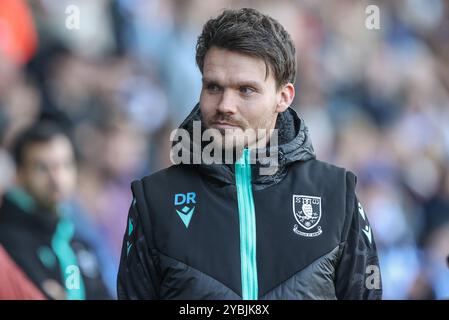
(15,284)
(34,230)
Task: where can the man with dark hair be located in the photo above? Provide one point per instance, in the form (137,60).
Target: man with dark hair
(212,230)
(36,231)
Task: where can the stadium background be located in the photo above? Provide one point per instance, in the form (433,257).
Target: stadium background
(375,101)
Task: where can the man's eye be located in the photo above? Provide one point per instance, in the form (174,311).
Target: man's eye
(213,88)
(41,167)
(247,90)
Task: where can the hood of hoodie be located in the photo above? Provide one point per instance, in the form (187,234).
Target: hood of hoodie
(294,144)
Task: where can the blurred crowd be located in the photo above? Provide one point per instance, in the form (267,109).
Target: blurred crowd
(375,101)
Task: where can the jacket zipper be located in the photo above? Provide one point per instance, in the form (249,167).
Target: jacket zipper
(247,221)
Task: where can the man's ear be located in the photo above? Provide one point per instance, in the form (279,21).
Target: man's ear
(285,97)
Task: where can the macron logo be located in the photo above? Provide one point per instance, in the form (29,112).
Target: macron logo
(184,203)
(130,231)
(367,229)
(367,232)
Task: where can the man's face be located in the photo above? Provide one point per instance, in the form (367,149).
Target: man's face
(48,172)
(237,95)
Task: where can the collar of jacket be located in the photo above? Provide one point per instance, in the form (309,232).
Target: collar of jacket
(19,207)
(294,145)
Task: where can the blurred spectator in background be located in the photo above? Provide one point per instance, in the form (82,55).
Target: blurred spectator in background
(15,284)
(34,227)
(375,100)
(17,33)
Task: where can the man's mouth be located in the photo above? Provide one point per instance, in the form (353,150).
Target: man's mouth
(224,125)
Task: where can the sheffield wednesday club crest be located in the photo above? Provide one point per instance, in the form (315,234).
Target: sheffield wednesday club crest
(307,212)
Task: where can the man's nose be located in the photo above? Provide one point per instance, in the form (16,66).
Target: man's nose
(54,174)
(228,103)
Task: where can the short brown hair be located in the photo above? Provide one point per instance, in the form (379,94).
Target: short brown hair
(251,32)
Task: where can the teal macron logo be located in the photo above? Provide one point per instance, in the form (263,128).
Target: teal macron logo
(185,201)
(130,231)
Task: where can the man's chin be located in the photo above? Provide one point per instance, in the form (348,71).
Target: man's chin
(234,148)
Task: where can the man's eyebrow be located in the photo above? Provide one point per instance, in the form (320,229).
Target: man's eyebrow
(238,83)
(207,80)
